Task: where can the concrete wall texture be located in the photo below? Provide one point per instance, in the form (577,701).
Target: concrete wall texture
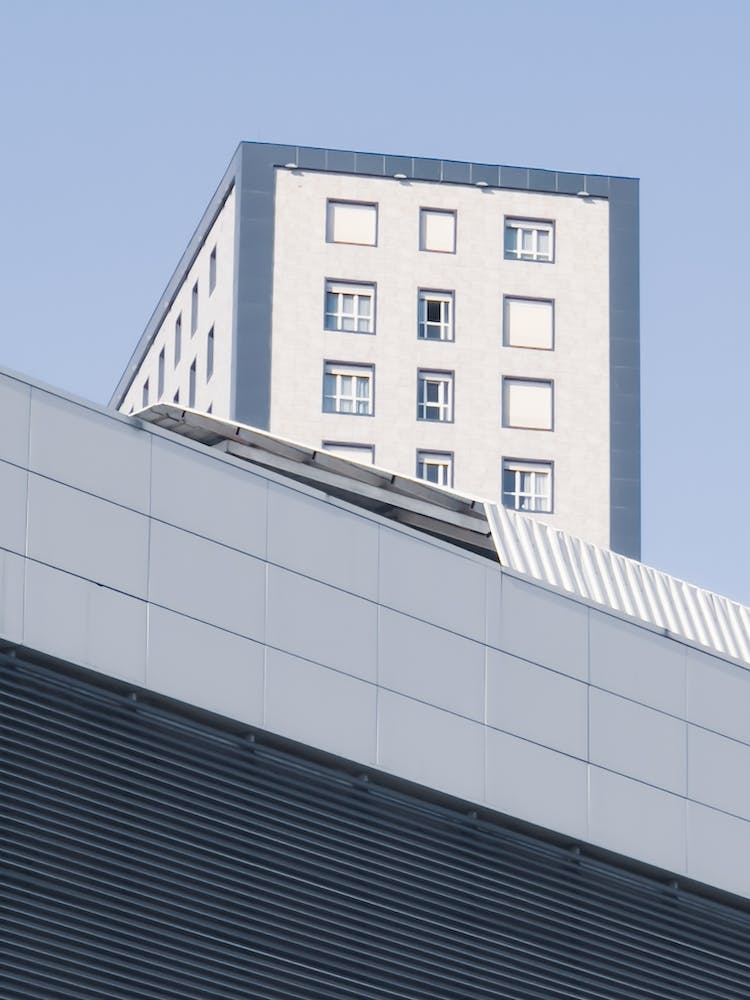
(145,557)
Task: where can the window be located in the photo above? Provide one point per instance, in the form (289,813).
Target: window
(527,403)
(176,398)
(352,222)
(144,398)
(194,310)
(362,453)
(212,271)
(348,388)
(350,307)
(161,373)
(528,323)
(177,340)
(435,467)
(527,239)
(437,230)
(210,408)
(434,395)
(191,387)
(210,354)
(527,486)
(435,316)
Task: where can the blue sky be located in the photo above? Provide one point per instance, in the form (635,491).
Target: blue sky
(119,120)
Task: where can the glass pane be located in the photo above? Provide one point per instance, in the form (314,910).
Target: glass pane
(510,240)
(363,387)
(348,303)
(433,311)
(331,302)
(363,325)
(363,305)
(346,405)
(432,392)
(432,474)
(526,240)
(332,322)
(509,480)
(345,385)
(543,242)
(348,323)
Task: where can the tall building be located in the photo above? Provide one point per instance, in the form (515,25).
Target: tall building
(275,725)
(472,325)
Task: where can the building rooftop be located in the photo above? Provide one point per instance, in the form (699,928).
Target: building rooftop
(518,542)
(262,157)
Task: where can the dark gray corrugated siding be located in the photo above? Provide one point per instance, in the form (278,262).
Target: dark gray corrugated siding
(146,855)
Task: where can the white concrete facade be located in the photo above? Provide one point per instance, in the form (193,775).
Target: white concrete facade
(534,275)
(214,312)
(143,556)
(577,282)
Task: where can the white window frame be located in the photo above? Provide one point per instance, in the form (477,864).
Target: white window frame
(340,449)
(508,382)
(508,300)
(335,319)
(330,218)
(533,500)
(533,227)
(424,214)
(444,326)
(440,460)
(339,400)
(442,408)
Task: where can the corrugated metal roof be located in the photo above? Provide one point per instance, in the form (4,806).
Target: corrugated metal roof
(534,549)
(521,542)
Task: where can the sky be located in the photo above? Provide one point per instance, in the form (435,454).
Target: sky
(119,119)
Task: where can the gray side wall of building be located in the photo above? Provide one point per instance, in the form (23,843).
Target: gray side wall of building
(175,282)
(625,368)
(131,552)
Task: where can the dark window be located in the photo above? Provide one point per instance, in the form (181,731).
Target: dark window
(191,387)
(210,354)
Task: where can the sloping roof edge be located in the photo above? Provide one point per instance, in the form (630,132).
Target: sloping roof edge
(517,541)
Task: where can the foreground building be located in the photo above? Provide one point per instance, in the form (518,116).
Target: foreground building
(475,326)
(279,725)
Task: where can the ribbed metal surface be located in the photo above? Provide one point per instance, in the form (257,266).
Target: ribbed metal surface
(614,581)
(148,856)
